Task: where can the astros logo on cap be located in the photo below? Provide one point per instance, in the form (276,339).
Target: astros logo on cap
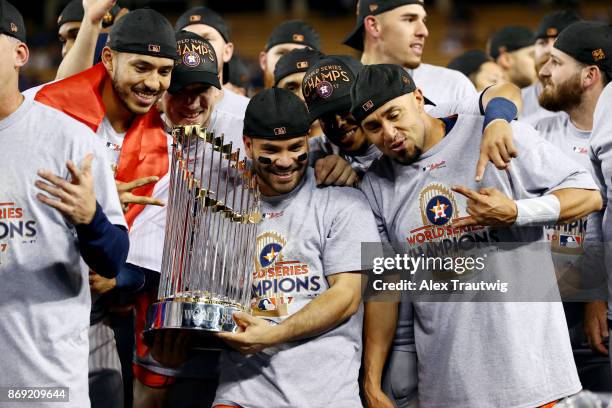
(552,32)
(325,89)
(302,65)
(154,48)
(13,27)
(368,105)
(373,7)
(195,18)
(108,18)
(280,131)
(191,59)
(598,54)
(298,37)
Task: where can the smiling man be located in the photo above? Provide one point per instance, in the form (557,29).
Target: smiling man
(312,318)
(511,206)
(116,99)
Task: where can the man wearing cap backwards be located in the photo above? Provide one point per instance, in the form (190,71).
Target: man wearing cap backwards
(394,32)
(509,206)
(72,213)
(550,27)
(289,73)
(574,77)
(116,99)
(479,68)
(512,49)
(326,88)
(305,352)
(287,36)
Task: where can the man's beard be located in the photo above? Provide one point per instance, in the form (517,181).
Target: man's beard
(407,160)
(123,95)
(264,171)
(562,97)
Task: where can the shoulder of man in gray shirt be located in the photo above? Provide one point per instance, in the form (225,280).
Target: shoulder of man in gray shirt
(43,344)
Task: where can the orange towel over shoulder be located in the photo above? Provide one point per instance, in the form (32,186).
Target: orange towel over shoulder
(145,147)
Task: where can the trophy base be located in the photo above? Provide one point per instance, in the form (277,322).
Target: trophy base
(201,319)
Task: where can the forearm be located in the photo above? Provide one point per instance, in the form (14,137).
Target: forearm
(577,203)
(326,311)
(81,55)
(380,322)
(504,90)
(103,246)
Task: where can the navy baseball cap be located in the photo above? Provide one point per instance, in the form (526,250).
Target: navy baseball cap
(276,114)
(510,39)
(294,32)
(143,31)
(197,62)
(11,21)
(376,85)
(298,60)
(327,85)
(588,42)
(552,24)
(206,16)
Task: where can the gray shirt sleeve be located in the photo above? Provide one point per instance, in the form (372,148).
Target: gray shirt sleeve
(367,186)
(352,225)
(542,168)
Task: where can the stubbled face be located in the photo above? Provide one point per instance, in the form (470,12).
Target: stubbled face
(192,105)
(285,171)
(344,131)
(397,128)
(542,49)
(293,83)
(271,58)
(139,80)
(403,33)
(561,79)
(215,39)
(67,34)
(489,74)
(522,71)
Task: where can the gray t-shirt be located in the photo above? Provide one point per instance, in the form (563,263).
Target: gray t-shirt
(480,354)
(233,104)
(532,111)
(567,240)
(599,227)
(45,297)
(307,235)
(442,85)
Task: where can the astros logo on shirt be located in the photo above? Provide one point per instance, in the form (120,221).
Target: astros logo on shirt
(437,204)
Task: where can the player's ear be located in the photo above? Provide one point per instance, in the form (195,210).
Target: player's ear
(248,146)
(371,26)
(504,60)
(228,51)
(590,75)
(107,59)
(263,60)
(420,100)
(22,54)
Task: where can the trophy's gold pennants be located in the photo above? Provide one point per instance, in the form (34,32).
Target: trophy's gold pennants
(211,225)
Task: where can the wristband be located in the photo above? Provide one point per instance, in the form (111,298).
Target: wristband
(537,212)
(499,108)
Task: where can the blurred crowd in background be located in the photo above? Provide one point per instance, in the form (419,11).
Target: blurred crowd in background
(454,26)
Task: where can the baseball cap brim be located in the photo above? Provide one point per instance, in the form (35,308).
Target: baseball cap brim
(184,79)
(355,38)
